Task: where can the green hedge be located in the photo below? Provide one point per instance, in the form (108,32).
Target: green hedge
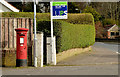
(83,18)
(69,35)
(77,31)
(76,35)
(40,16)
(80,18)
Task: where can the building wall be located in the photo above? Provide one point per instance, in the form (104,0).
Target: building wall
(4,9)
(112,36)
(109,34)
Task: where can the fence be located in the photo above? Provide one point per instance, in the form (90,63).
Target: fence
(8,35)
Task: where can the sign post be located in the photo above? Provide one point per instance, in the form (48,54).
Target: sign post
(58,11)
(35,38)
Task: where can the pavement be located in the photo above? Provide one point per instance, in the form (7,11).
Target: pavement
(102,60)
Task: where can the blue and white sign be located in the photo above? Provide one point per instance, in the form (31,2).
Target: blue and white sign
(59,10)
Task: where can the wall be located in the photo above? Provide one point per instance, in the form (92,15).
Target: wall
(8,26)
(4,9)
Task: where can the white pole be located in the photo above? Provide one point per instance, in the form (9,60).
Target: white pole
(54,55)
(41,49)
(51,10)
(35,39)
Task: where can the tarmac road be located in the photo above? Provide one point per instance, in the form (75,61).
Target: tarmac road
(65,70)
(112,46)
(101,61)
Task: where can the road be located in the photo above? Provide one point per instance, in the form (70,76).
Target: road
(112,46)
(103,60)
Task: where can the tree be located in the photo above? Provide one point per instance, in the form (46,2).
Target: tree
(100,31)
(118,11)
(108,10)
(76,7)
(29,6)
(91,10)
(17,5)
(43,7)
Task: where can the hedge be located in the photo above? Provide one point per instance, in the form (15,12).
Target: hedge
(40,16)
(77,31)
(69,35)
(83,18)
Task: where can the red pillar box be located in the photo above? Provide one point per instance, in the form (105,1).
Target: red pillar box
(21,54)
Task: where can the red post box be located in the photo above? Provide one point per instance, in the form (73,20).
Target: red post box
(21,40)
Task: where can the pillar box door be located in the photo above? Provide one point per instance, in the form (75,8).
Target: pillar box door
(21,49)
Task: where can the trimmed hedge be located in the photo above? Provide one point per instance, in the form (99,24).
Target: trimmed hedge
(40,16)
(83,18)
(76,35)
(69,35)
(77,31)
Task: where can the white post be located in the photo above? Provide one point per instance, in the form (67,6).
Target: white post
(54,53)
(35,39)
(52,39)
(41,49)
(51,30)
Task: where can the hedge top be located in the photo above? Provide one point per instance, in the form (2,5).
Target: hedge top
(76,18)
